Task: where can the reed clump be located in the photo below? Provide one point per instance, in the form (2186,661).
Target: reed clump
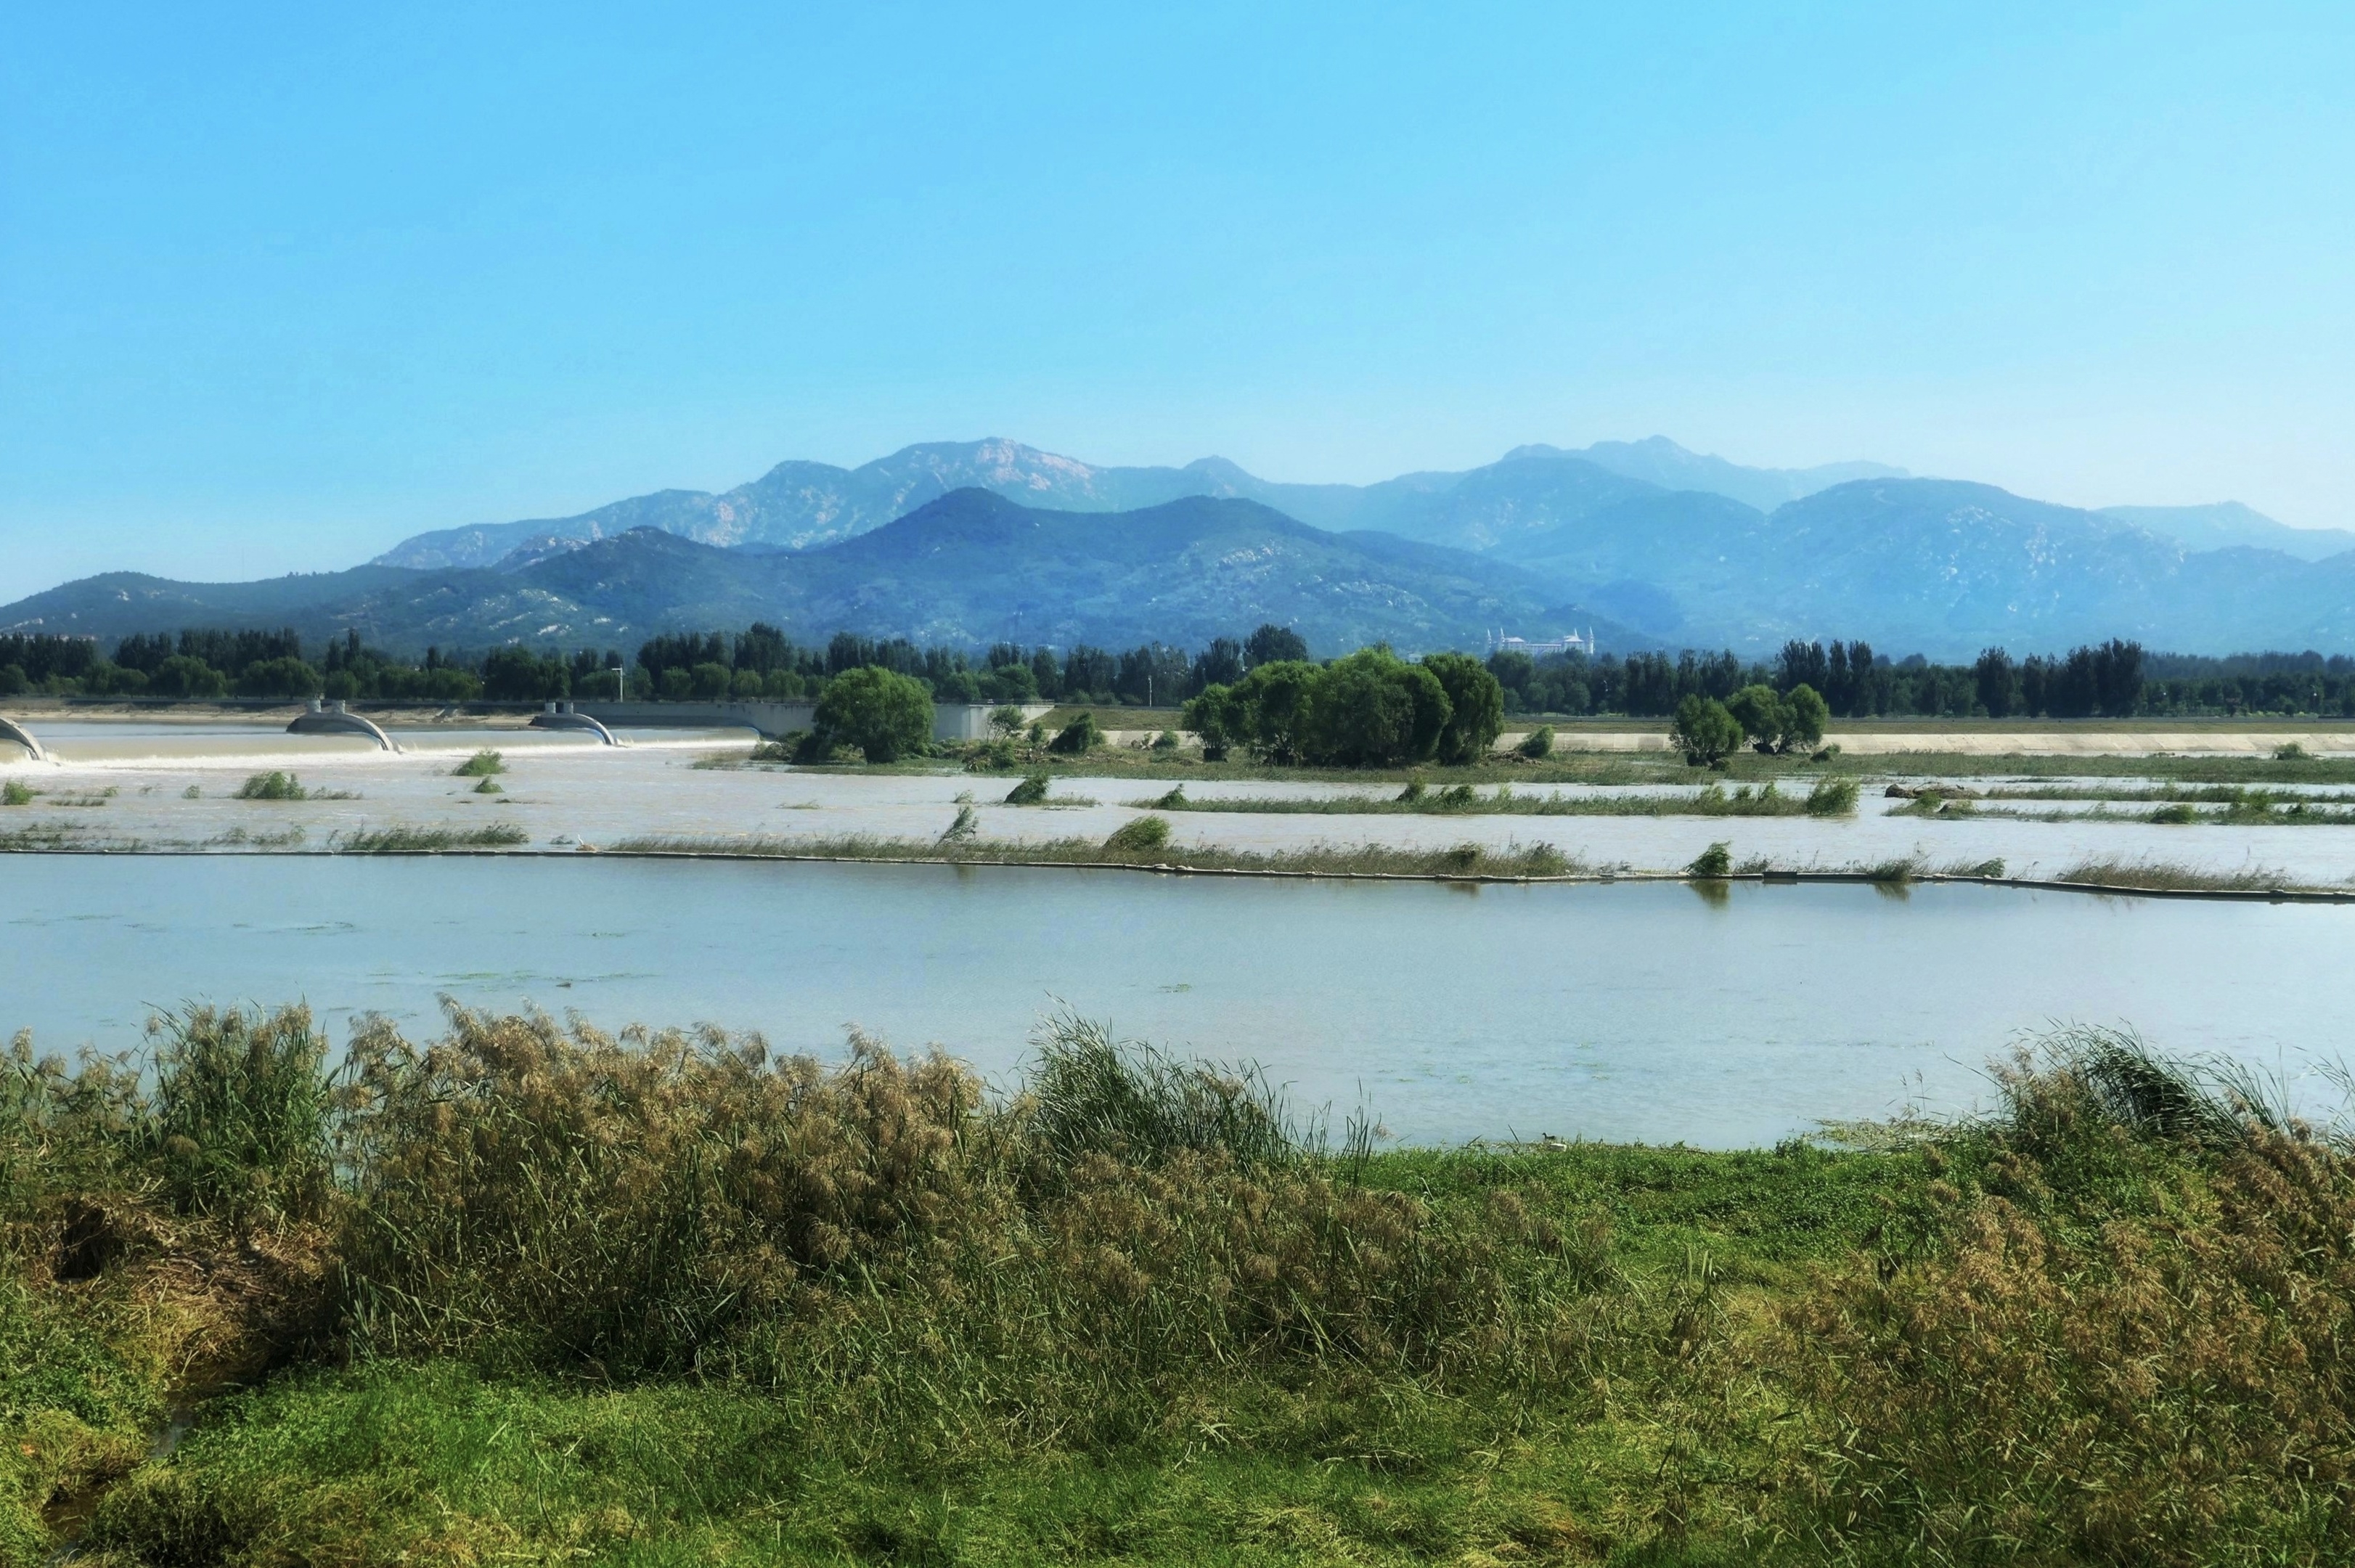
(275,785)
(2118,1334)
(163,1227)
(403,839)
(545,1197)
(2166,876)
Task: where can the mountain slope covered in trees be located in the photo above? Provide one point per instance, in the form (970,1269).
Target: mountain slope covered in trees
(969,567)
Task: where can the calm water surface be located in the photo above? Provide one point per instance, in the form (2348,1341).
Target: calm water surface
(1637,1011)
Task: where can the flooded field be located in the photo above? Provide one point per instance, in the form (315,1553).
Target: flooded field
(164,786)
(1637,1011)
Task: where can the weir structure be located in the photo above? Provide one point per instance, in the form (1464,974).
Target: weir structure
(12,730)
(564,716)
(319,719)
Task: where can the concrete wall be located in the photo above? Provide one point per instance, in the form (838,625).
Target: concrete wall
(951,721)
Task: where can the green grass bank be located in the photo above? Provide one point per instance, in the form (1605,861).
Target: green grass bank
(531,1293)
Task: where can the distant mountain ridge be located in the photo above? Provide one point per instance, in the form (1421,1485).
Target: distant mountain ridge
(2226,524)
(799,504)
(965,569)
(1537,543)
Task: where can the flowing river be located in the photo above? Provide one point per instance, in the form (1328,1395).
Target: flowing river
(1627,1011)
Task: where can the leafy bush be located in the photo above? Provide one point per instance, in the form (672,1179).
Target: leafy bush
(1139,836)
(15,792)
(886,715)
(1712,863)
(1077,738)
(1834,795)
(481,766)
(488,786)
(965,825)
(1032,791)
(1537,744)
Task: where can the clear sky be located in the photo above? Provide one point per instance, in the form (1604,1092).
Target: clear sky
(280,285)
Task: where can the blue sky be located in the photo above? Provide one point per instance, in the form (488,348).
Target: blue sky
(279,286)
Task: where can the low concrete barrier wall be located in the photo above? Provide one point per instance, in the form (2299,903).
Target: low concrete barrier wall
(951,721)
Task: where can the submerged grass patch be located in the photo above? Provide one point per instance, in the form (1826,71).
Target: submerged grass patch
(1828,797)
(1457,861)
(401,840)
(2165,875)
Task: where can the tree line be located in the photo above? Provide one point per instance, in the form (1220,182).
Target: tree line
(2116,679)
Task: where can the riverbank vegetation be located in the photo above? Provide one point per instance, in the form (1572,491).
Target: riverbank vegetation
(531,1292)
(1830,796)
(1132,846)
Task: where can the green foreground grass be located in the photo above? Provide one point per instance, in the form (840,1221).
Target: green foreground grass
(533,1294)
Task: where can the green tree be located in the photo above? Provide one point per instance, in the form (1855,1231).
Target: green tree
(1758,711)
(1218,716)
(886,715)
(1778,723)
(1804,712)
(1476,706)
(1269,708)
(1374,710)
(1010,683)
(1272,644)
(278,677)
(518,675)
(1703,730)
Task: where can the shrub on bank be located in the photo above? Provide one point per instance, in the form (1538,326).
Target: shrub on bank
(886,715)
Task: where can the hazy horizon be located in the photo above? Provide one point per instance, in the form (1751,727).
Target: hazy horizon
(284,288)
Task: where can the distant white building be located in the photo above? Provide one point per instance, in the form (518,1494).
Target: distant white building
(1568,643)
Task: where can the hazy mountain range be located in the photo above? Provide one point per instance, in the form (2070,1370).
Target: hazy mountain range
(797,505)
(1651,544)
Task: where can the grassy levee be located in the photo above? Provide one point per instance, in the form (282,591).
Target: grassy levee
(533,1293)
(1322,860)
(1830,796)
